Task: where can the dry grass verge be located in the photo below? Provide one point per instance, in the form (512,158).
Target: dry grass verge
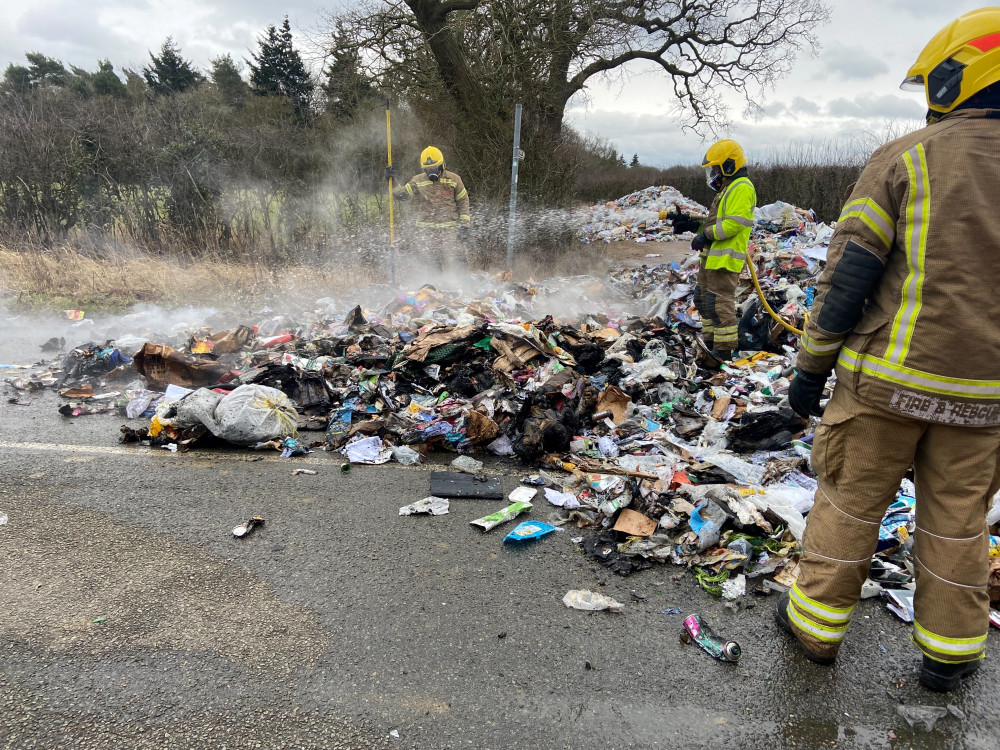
(64,278)
(55,278)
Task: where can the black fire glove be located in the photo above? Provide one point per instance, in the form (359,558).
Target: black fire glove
(390,173)
(700,241)
(464,234)
(805,392)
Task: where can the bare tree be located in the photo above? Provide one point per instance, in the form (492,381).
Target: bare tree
(485,56)
(548,50)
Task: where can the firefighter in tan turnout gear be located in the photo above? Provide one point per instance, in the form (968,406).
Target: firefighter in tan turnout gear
(908,313)
(443,203)
(722,243)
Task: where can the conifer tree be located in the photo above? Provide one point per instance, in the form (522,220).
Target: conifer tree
(169,72)
(277,70)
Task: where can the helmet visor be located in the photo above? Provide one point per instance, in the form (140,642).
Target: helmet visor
(710,177)
(913,83)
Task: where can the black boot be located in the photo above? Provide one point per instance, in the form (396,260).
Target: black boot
(781,617)
(944,677)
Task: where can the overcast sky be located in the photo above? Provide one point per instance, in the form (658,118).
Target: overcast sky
(849,90)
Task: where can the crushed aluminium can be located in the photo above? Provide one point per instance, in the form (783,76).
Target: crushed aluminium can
(697,630)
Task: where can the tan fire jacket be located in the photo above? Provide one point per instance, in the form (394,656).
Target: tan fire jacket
(442,204)
(923,219)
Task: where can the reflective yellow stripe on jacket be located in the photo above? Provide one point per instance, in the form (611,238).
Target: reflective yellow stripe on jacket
(918,217)
(883,369)
(730,232)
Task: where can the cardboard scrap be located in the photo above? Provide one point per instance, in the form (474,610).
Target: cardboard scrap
(635,524)
(479,428)
(418,350)
(615,399)
(161,365)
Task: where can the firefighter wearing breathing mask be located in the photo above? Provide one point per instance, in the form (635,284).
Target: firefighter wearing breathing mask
(443,202)
(722,243)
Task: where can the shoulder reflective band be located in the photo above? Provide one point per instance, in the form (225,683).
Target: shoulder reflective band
(874,218)
(855,277)
(918,215)
(924,381)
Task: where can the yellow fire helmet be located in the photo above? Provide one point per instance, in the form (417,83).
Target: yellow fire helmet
(727,155)
(431,157)
(960,60)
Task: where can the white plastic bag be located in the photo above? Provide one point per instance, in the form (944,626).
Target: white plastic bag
(255,413)
(406,455)
(591,601)
(781,502)
(994,514)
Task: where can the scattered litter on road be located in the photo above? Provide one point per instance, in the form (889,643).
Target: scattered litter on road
(468,465)
(435,506)
(697,630)
(244,529)
(592,382)
(3,519)
(451,484)
(503,515)
(591,601)
(925,717)
(528,531)
(308,472)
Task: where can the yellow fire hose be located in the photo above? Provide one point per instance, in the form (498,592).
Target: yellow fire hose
(763,300)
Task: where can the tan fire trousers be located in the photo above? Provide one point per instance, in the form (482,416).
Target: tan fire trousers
(716,303)
(441,248)
(860,454)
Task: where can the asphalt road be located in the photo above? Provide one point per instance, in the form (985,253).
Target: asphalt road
(132,618)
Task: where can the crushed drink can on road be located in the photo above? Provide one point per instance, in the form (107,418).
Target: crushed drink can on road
(245,528)
(697,630)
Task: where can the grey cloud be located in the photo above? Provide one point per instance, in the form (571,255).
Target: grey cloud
(775,109)
(73,31)
(932,10)
(850,62)
(868,106)
(805,106)
(659,141)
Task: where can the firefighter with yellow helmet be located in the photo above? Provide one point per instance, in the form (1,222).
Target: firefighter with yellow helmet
(907,313)
(722,243)
(443,222)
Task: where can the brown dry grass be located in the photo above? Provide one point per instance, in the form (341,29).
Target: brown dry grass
(66,277)
(57,277)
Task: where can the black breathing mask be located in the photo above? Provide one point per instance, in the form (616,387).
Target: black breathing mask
(434,173)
